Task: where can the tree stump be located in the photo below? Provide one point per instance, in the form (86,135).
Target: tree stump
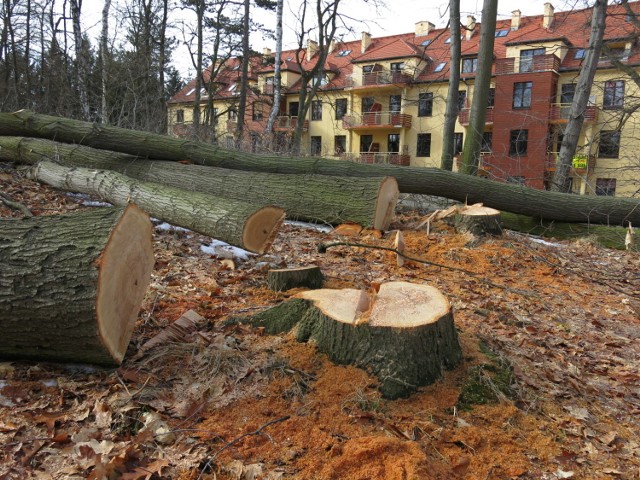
(404,334)
(71,285)
(286,278)
(480,221)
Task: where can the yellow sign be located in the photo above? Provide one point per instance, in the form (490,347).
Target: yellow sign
(580,161)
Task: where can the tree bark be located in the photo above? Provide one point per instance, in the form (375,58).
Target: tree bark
(451,111)
(237,223)
(71,285)
(287,278)
(502,196)
(369,202)
(405,338)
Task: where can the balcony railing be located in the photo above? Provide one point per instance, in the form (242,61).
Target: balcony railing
(376,120)
(538,63)
(581,163)
(559,113)
(377,79)
(391,158)
(287,124)
(465,113)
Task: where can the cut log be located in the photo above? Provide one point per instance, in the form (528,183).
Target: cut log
(479,221)
(405,341)
(238,223)
(287,278)
(430,181)
(71,285)
(369,202)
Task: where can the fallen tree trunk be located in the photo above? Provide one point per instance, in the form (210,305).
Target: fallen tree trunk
(71,285)
(369,202)
(237,223)
(466,188)
(404,335)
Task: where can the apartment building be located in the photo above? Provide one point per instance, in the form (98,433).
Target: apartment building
(382,100)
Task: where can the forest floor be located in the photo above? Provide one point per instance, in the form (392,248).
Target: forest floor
(549,387)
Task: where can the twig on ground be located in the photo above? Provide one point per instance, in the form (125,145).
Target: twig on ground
(9,202)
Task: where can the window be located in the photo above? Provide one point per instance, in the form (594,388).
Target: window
(526,59)
(233,115)
(609,144)
(395,102)
(269,80)
(343,53)
(365,142)
(448,40)
(340,144)
(568,91)
(502,33)
(316,110)
(491,97)
(425,43)
(293,109)
(439,67)
(367,68)
(180,116)
(367,104)
(423,148)
(522,94)
(487,141)
(613,95)
(231,143)
(320,79)
(579,55)
(462,99)
(425,104)
(257,112)
(518,143)
(255,142)
(341,108)
(606,187)
(397,67)
(393,143)
(458,143)
(316,145)
(214,115)
(469,65)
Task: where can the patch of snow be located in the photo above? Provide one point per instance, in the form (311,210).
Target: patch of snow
(223,250)
(86,200)
(164,226)
(312,226)
(544,242)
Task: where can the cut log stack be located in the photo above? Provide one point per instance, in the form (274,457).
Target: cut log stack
(71,285)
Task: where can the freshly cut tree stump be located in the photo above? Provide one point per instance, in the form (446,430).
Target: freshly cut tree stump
(286,278)
(238,223)
(71,285)
(404,335)
(480,221)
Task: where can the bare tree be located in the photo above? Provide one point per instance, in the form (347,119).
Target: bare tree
(451,112)
(277,75)
(82,68)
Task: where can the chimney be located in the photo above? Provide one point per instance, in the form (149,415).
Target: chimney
(515,19)
(312,49)
(424,28)
(332,46)
(547,19)
(471,26)
(266,52)
(366,41)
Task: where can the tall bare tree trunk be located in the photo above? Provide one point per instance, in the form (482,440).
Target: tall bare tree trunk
(162,60)
(200,8)
(246,53)
(451,112)
(478,113)
(104,109)
(277,73)
(581,98)
(81,60)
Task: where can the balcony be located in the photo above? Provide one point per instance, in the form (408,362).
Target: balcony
(376,80)
(581,164)
(465,113)
(376,120)
(538,63)
(559,113)
(288,124)
(389,158)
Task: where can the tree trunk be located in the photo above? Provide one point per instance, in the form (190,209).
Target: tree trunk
(451,111)
(369,202)
(478,113)
(71,285)
(581,98)
(429,181)
(287,278)
(237,223)
(244,84)
(404,338)
(277,75)
(480,221)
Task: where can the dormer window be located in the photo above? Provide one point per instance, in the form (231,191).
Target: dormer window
(320,79)
(469,65)
(439,67)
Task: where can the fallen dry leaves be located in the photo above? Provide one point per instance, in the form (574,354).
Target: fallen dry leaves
(195,399)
